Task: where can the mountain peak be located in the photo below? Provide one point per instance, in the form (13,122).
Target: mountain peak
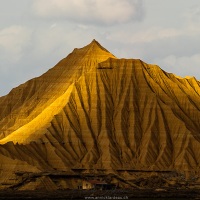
(96,47)
(95,41)
(94,52)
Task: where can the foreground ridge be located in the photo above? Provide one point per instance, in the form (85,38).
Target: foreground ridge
(96,114)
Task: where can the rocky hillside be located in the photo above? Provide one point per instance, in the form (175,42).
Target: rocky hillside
(93,111)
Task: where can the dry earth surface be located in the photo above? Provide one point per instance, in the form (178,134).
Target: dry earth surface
(93,114)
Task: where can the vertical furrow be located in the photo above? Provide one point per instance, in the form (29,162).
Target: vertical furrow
(99,105)
(88,121)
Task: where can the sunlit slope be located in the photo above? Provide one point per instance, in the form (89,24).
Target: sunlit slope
(119,114)
(26,102)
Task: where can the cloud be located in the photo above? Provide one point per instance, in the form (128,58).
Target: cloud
(59,40)
(13,41)
(156,34)
(145,36)
(193,14)
(90,11)
(182,66)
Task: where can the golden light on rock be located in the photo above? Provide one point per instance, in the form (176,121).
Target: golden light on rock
(93,111)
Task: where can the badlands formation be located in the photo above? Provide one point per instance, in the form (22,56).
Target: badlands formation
(95,114)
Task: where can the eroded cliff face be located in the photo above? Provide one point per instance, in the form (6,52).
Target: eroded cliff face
(93,111)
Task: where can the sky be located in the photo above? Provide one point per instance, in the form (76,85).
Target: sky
(36,34)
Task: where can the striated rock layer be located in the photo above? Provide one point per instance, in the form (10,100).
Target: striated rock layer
(93,111)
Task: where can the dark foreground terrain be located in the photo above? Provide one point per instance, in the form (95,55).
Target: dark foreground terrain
(92,194)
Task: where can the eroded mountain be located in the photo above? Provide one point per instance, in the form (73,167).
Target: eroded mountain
(93,112)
